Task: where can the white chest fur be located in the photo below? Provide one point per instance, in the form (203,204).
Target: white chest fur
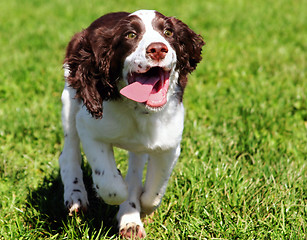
(132,128)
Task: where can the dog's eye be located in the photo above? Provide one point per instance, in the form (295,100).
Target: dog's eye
(131,35)
(168,33)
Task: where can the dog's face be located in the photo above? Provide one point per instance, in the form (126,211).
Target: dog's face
(149,69)
(143,56)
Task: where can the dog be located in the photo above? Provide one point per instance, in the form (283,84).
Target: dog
(125,77)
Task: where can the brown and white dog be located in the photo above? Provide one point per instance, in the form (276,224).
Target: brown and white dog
(125,77)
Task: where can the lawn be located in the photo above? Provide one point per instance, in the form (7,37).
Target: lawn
(242,172)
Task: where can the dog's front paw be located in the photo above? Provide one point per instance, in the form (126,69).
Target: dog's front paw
(110,187)
(76,200)
(149,203)
(132,231)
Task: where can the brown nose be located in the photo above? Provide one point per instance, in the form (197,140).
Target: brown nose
(157,51)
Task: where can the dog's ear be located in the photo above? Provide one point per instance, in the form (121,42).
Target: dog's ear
(188,47)
(88,57)
(83,73)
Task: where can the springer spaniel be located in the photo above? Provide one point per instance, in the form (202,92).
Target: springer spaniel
(125,77)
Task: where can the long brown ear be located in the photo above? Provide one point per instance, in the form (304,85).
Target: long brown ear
(189,47)
(88,56)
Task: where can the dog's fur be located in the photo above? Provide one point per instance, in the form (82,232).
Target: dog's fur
(99,62)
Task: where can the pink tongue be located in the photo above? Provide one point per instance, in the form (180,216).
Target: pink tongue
(140,90)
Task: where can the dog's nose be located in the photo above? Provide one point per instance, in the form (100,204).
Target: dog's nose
(157,51)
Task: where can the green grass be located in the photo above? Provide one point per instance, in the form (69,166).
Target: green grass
(242,173)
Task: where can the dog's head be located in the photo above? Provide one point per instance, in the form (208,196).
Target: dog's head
(143,56)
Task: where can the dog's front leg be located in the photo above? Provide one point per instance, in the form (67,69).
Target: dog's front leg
(107,179)
(159,169)
(128,216)
(75,195)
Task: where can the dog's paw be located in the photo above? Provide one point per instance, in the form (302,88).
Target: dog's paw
(132,231)
(76,201)
(76,208)
(149,203)
(110,187)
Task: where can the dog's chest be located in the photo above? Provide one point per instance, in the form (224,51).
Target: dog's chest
(135,131)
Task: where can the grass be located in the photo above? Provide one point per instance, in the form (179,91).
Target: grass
(242,173)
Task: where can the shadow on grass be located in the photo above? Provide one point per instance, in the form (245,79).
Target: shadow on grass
(45,211)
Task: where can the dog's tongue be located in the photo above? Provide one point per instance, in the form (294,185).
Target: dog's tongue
(141,89)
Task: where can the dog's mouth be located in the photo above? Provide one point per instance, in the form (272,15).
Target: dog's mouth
(149,88)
